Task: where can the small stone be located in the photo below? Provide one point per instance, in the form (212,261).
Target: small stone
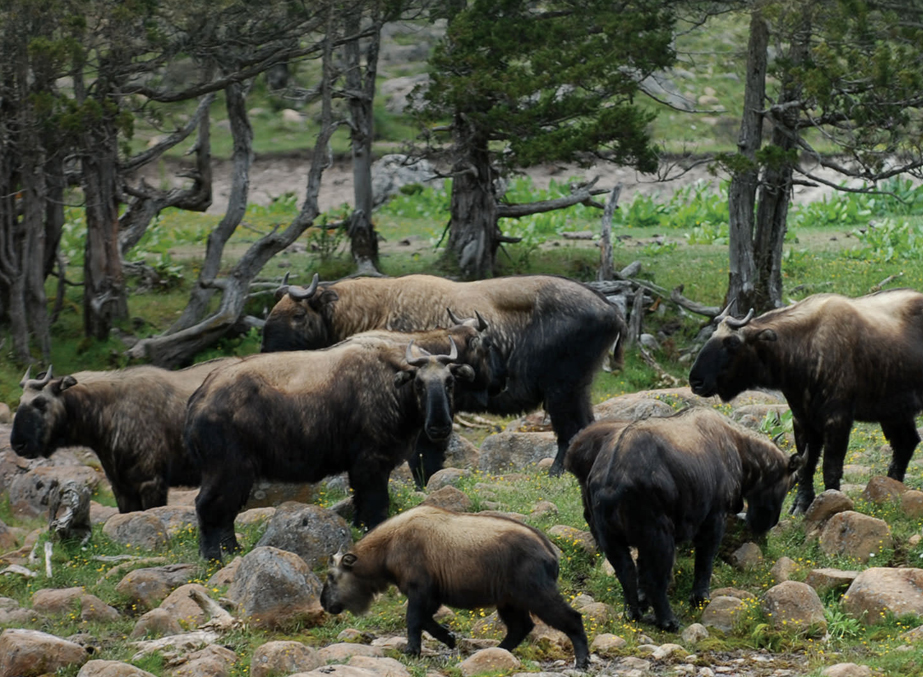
(783,569)
(847,670)
(607,645)
(912,503)
(489,660)
(723,613)
(795,607)
(694,633)
(882,489)
(747,557)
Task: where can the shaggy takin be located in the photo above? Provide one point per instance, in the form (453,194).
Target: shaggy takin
(836,360)
(437,557)
(663,481)
(551,333)
(131,418)
(356,407)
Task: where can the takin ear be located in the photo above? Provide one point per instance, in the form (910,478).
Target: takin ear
(766,335)
(327,296)
(795,461)
(402,378)
(463,371)
(349,561)
(63,384)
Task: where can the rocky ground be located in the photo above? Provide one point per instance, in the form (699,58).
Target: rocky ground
(273,588)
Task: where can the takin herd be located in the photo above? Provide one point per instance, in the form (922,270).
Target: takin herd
(360,375)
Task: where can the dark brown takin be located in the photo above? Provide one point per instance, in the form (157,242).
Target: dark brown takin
(437,557)
(356,407)
(836,360)
(131,418)
(660,482)
(550,334)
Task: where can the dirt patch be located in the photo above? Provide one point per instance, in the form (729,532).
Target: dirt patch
(272,177)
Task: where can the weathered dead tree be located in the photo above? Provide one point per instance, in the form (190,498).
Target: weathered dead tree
(605,238)
(179,347)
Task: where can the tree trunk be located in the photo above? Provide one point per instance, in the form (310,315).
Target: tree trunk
(606,271)
(104,298)
(242,158)
(745,172)
(473,230)
(171,350)
(361,88)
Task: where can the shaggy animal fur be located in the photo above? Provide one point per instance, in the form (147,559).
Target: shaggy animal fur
(663,481)
(356,407)
(437,557)
(836,360)
(131,418)
(551,333)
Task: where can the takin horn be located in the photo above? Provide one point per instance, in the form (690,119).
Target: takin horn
(725,316)
(301,294)
(37,383)
(737,324)
(425,355)
(481,325)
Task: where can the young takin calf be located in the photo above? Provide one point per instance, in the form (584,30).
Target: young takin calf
(438,557)
(663,481)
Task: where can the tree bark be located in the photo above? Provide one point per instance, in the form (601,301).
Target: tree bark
(148,202)
(171,350)
(745,173)
(361,89)
(242,158)
(606,271)
(473,231)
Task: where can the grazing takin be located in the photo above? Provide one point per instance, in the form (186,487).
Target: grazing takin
(836,360)
(437,557)
(356,407)
(551,333)
(663,481)
(131,418)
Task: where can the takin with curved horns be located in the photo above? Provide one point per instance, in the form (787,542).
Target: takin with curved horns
(356,407)
(131,418)
(663,481)
(437,557)
(836,360)
(551,334)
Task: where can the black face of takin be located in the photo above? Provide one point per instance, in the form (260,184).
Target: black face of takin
(728,363)
(343,591)
(433,378)
(764,502)
(296,322)
(40,416)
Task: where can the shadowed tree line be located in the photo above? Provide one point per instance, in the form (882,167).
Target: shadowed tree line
(511,84)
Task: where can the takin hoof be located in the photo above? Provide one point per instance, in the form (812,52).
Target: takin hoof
(667,624)
(556,469)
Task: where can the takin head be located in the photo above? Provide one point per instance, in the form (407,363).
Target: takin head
(765,498)
(433,378)
(298,320)
(729,362)
(40,416)
(343,590)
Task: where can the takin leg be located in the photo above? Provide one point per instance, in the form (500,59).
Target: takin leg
(619,557)
(836,442)
(369,482)
(706,543)
(553,610)
(570,412)
(518,624)
(153,493)
(126,498)
(421,605)
(219,500)
(903,437)
(655,564)
(809,443)
(427,459)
